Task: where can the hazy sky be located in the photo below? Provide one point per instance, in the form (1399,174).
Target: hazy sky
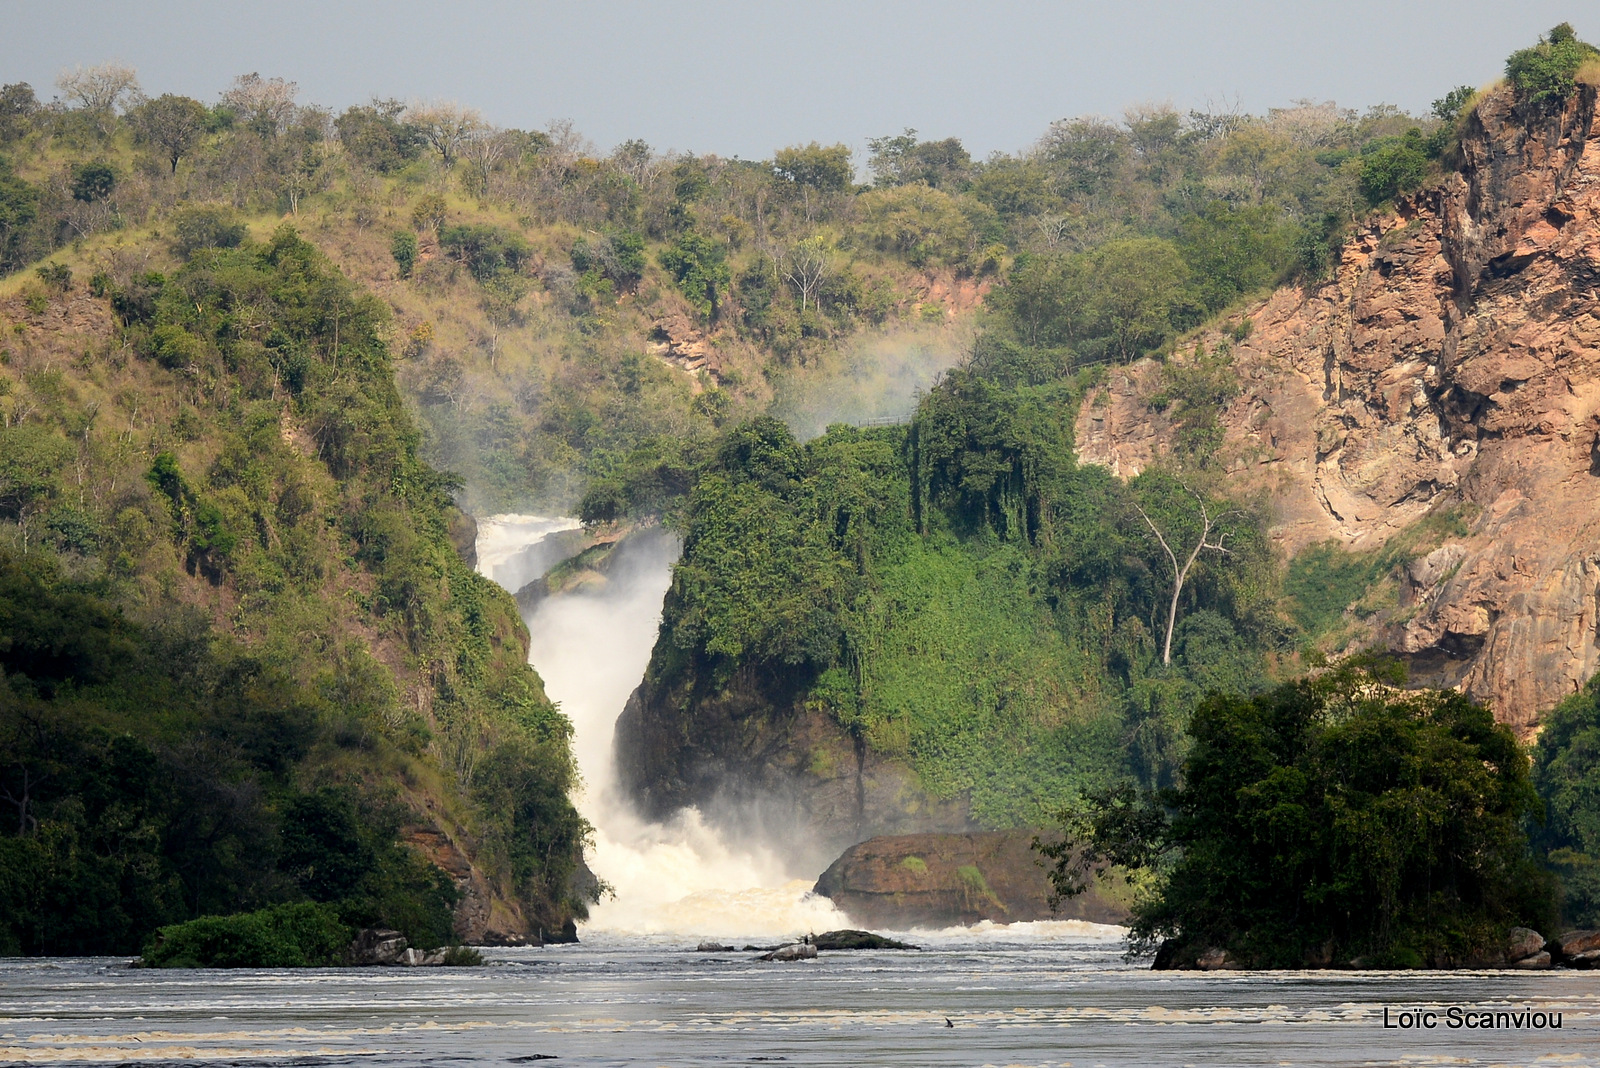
(744,78)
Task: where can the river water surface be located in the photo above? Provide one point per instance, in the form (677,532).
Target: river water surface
(1040,997)
(636,992)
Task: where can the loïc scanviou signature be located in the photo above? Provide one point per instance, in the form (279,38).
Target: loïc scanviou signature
(1455,1017)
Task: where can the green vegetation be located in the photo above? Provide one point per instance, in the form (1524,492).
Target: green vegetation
(240,652)
(535,273)
(958,592)
(1566,769)
(284,936)
(1323,822)
(1549,71)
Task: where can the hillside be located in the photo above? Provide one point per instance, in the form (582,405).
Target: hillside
(243,659)
(937,433)
(971,620)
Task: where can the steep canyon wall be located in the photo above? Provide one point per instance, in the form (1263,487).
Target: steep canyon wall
(1454,359)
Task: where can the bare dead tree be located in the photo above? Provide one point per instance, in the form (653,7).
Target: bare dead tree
(1180,572)
(805,265)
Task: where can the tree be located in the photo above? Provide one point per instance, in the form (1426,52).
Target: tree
(17,107)
(444,125)
(826,169)
(92,182)
(1566,771)
(700,267)
(814,168)
(98,89)
(1087,153)
(916,221)
(1395,166)
(173,124)
(265,105)
(1136,287)
(805,266)
(19,207)
(375,136)
(1232,250)
(1326,821)
(483,149)
(1548,71)
(1182,531)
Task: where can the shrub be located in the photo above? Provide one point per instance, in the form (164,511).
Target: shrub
(1395,166)
(699,266)
(486,250)
(403,247)
(303,935)
(1549,70)
(92,182)
(206,226)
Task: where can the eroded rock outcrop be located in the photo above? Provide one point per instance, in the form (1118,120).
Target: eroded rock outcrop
(1454,360)
(939,880)
(763,764)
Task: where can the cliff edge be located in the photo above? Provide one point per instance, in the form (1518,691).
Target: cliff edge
(1453,360)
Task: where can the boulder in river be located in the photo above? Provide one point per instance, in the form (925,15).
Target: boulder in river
(377,946)
(942,880)
(1522,943)
(712,947)
(837,940)
(797,951)
(1580,949)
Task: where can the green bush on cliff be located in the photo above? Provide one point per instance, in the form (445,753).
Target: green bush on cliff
(284,936)
(1325,821)
(1548,72)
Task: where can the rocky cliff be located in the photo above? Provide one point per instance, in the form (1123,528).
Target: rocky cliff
(939,880)
(763,764)
(1453,361)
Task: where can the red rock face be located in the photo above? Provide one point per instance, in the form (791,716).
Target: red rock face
(1454,359)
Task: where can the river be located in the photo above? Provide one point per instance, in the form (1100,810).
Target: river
(636,992)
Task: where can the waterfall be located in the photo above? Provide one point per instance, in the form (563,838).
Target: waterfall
(591,644)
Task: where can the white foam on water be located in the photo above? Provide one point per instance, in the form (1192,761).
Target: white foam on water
(591,645)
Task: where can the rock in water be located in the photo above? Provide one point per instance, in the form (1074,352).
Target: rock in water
(1523,943)
(940,880)
(836,940)
(712,947)
(1580,949)
(377,946)
(798,951)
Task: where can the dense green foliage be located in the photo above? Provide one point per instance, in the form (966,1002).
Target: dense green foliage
(1548,72)
(284,936)
(958,593)
(1328,821)
(238,647)
(1566,769)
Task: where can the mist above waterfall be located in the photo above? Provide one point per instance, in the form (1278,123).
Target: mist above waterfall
(876,378)
(591,645)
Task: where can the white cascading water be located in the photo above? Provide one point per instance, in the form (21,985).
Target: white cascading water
(591,645)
